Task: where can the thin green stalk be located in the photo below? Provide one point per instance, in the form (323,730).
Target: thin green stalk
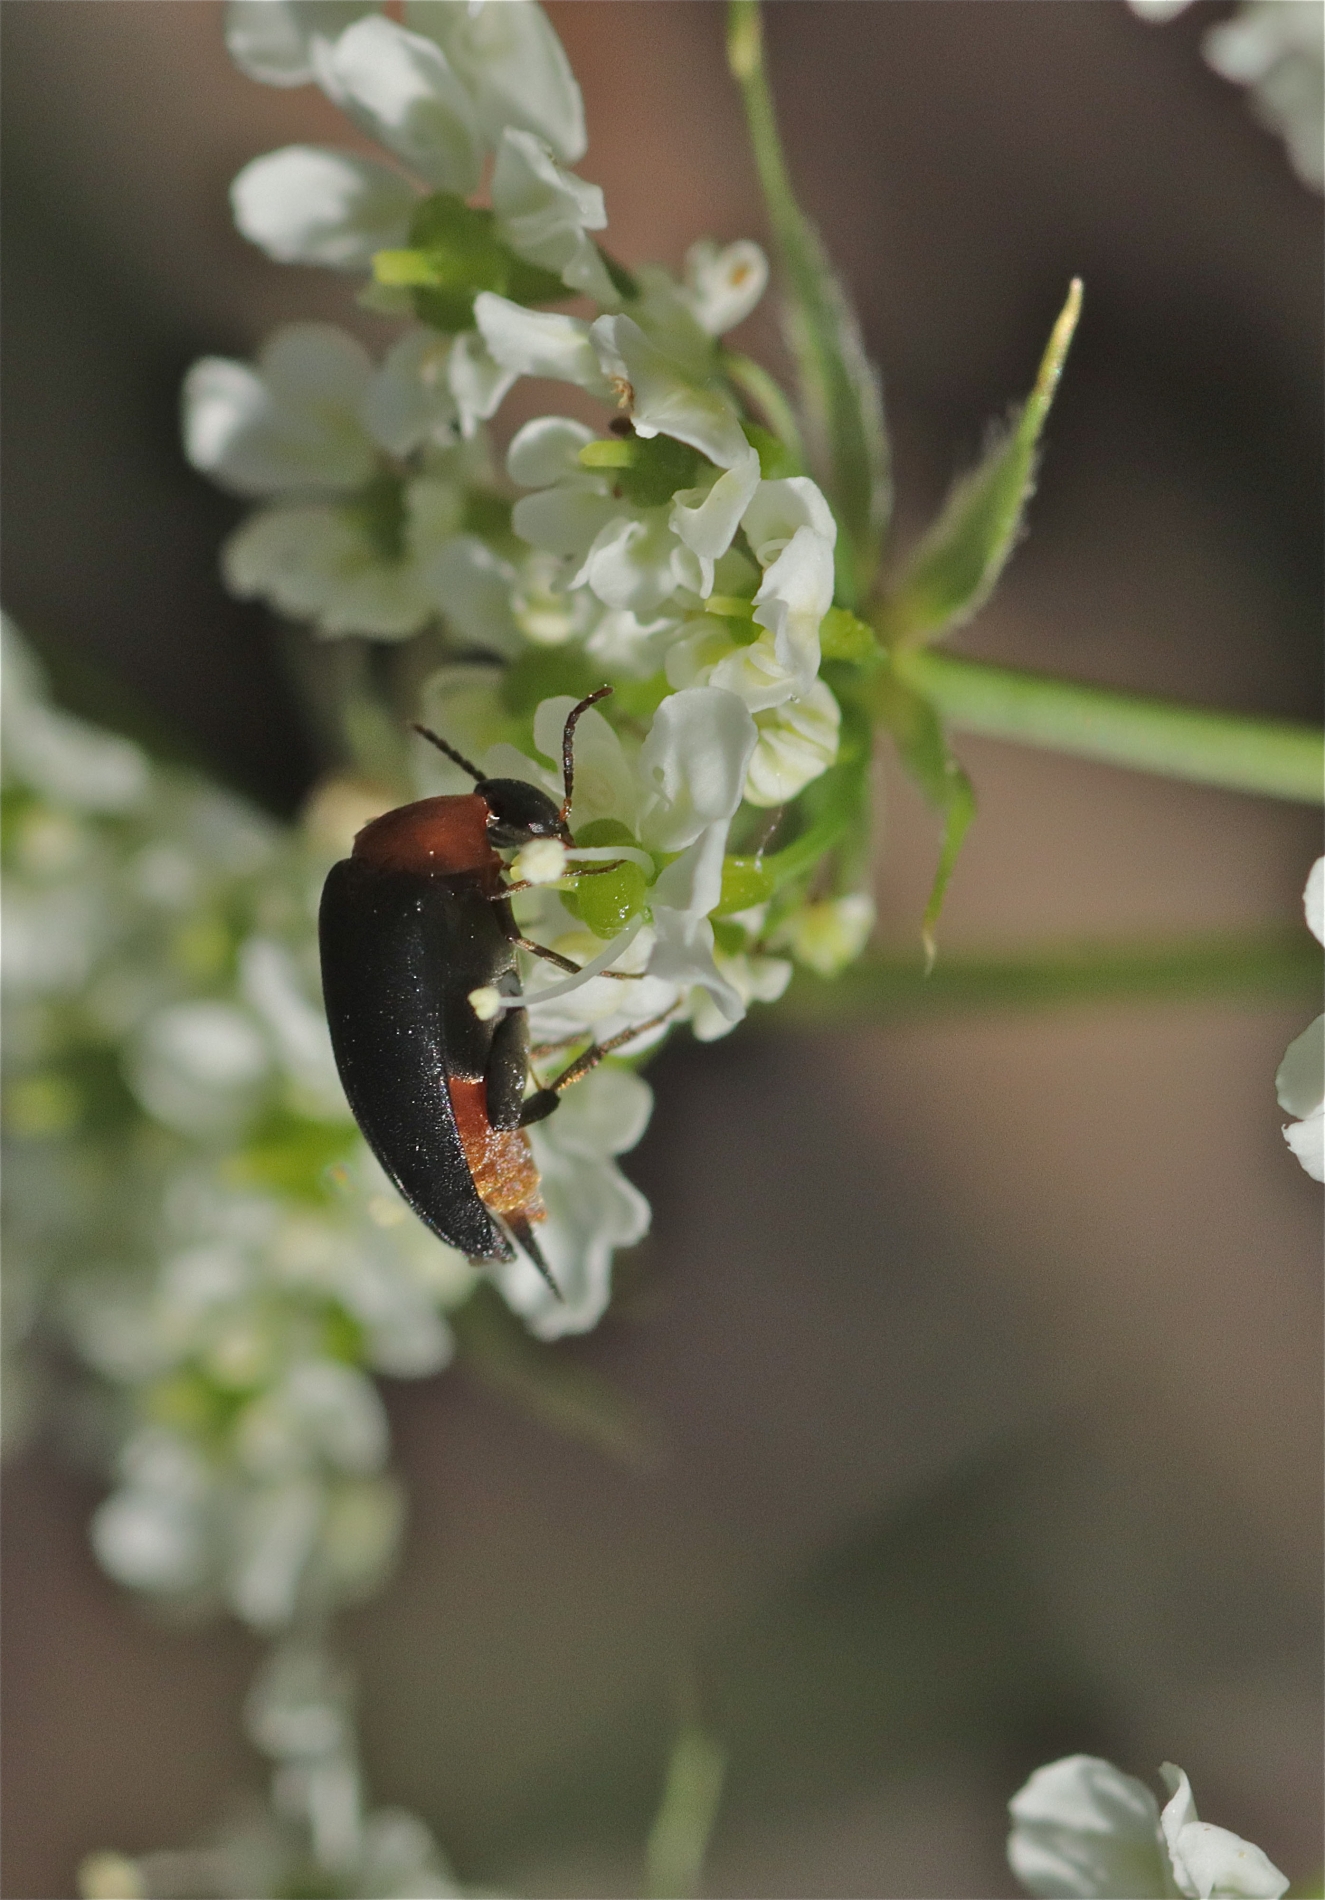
(755,383)
(839,389)
(1277,758)
(1265,967)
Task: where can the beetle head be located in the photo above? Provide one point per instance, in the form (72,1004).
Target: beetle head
(518,812)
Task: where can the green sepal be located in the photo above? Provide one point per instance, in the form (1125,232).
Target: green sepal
(922,746)
(846,638)
(776,460)
(660,466)
(453,253)
(745,883)
(953,570)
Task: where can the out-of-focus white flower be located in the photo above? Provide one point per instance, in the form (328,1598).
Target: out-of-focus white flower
(273,40)
(722,286)
(592,1208)
(827,935)
(545,214)
(513,65)
(438,92)
(1300,1082)
(1082,1828)
(1276,48)
(349,542)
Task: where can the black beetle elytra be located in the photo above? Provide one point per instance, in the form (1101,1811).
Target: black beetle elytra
(412,922)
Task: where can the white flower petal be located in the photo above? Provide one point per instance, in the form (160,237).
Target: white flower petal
(779,508)
(1307,1141)
(547,450)
(797,741)
(1313,900)
(796,593)
(1300,1082)
(605,784)
(754,673)
(318,564)
(724,285)
(308,205)
(399,88)
(1082,1830)
(291,423)
(478,381)
(539,342)
(681,899)
(564,520)
(662,399)
(635,562)
(1210,1863)
(472,586)
(693,766)
(544,213)
(707,525)
(513,64)
(272,40)
(409,400)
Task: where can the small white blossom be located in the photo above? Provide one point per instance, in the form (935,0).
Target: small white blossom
(397,86)
(827,935)
(1300,1082)
(545,214)
(273,40)
(1082,1829)
(514,66)
(722,286)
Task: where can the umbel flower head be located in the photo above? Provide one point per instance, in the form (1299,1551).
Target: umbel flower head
(1083,1830)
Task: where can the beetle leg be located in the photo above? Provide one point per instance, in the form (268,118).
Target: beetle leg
(539,1106)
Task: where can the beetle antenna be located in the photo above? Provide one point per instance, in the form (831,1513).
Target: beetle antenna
(568,744)
(459,757)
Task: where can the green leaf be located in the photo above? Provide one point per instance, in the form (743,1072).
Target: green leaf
(953,571)
(923,748)
(679,1838)
(839,389)
(845,637)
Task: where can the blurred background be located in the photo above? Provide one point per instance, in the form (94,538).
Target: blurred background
(983,1353)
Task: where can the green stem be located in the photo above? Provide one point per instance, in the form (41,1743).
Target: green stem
(765,392)
(1277,758)
(1261,968)
(839,391)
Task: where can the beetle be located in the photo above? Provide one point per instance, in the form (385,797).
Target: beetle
(411,923)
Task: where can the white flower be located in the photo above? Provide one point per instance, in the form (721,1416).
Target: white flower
(544,213)
(1277,49)
(513,64)
(592,1208)
(438,93)
(723,286)
(1082,1828)
(350,543)
(273,40)
(397,87)
(306,204)
(827,935)
(1300,1081)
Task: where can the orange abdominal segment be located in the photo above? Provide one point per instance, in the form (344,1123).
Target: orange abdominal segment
(500,1159)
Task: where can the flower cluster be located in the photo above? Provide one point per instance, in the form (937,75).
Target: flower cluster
(186,1183)
(314,1836)
(679,554)
(1083,1830)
